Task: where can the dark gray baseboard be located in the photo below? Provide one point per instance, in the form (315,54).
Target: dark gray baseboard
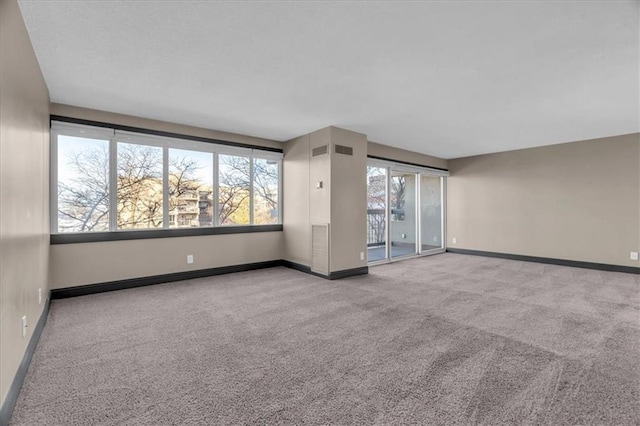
(81,290)
(345,273)
(332,275)
(549,260)
(14,390)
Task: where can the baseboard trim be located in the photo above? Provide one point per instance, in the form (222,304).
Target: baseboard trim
(363,270)
(550,260)
(82,290)
(345,273)
(300,267)
(9,403)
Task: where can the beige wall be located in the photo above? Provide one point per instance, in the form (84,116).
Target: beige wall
(576,201)
(320,171)
(89,263)
(348,201)
(145,123)
(295,214)
(341,202)
(24,218)
(391,153)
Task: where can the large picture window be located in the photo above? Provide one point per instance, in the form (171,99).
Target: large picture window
(109,180)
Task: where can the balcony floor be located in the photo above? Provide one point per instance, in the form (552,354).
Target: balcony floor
(377,253)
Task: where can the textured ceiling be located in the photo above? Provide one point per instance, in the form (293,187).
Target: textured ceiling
(445,78)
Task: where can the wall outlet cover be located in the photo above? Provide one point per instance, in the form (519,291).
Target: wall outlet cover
(24,325)
(634,255)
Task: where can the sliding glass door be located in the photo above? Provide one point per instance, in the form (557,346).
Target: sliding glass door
(403,236)
(376,213)
(431,224)
(405,211)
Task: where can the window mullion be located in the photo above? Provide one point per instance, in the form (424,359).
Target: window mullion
(165,187)
(251,190)
(53,173)
(113,184)
(216,190)
(280,197)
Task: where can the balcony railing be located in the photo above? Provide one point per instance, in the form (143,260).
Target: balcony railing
(376,227)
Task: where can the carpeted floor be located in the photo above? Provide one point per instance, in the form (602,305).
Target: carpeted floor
(447,339)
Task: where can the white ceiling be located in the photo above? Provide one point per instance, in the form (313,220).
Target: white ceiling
(445,78)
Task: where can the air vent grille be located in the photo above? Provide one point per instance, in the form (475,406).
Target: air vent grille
(320,248)
(345,150)
(319,150)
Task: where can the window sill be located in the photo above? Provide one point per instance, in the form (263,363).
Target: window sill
(94,237)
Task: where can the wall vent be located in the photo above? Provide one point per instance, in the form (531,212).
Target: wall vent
(345,150)
(319,150)
(320,248)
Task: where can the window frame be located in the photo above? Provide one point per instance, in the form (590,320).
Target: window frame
(114,134)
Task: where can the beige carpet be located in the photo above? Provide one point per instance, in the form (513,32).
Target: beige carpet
(447,339)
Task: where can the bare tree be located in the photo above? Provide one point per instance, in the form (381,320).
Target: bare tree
(235,178)
(398,186)
(83,201)
(265,181)
(233,187)
(139,189)
(186,192)
(182,179)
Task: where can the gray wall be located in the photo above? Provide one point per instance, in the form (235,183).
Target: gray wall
(24,207)
(576,201)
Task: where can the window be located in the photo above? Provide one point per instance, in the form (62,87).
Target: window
(265,191)
(234,177)
(111,180)
(190,189)
(83,184)
(140,190)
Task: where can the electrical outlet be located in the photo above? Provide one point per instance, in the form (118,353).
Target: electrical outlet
(454,240)
(189,258)
(361,255)
(404,236)
(634,255)
(24,325)
(39,296)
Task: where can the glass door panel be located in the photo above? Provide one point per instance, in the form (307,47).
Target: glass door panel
(376,214)
(430,212)
(402,199)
